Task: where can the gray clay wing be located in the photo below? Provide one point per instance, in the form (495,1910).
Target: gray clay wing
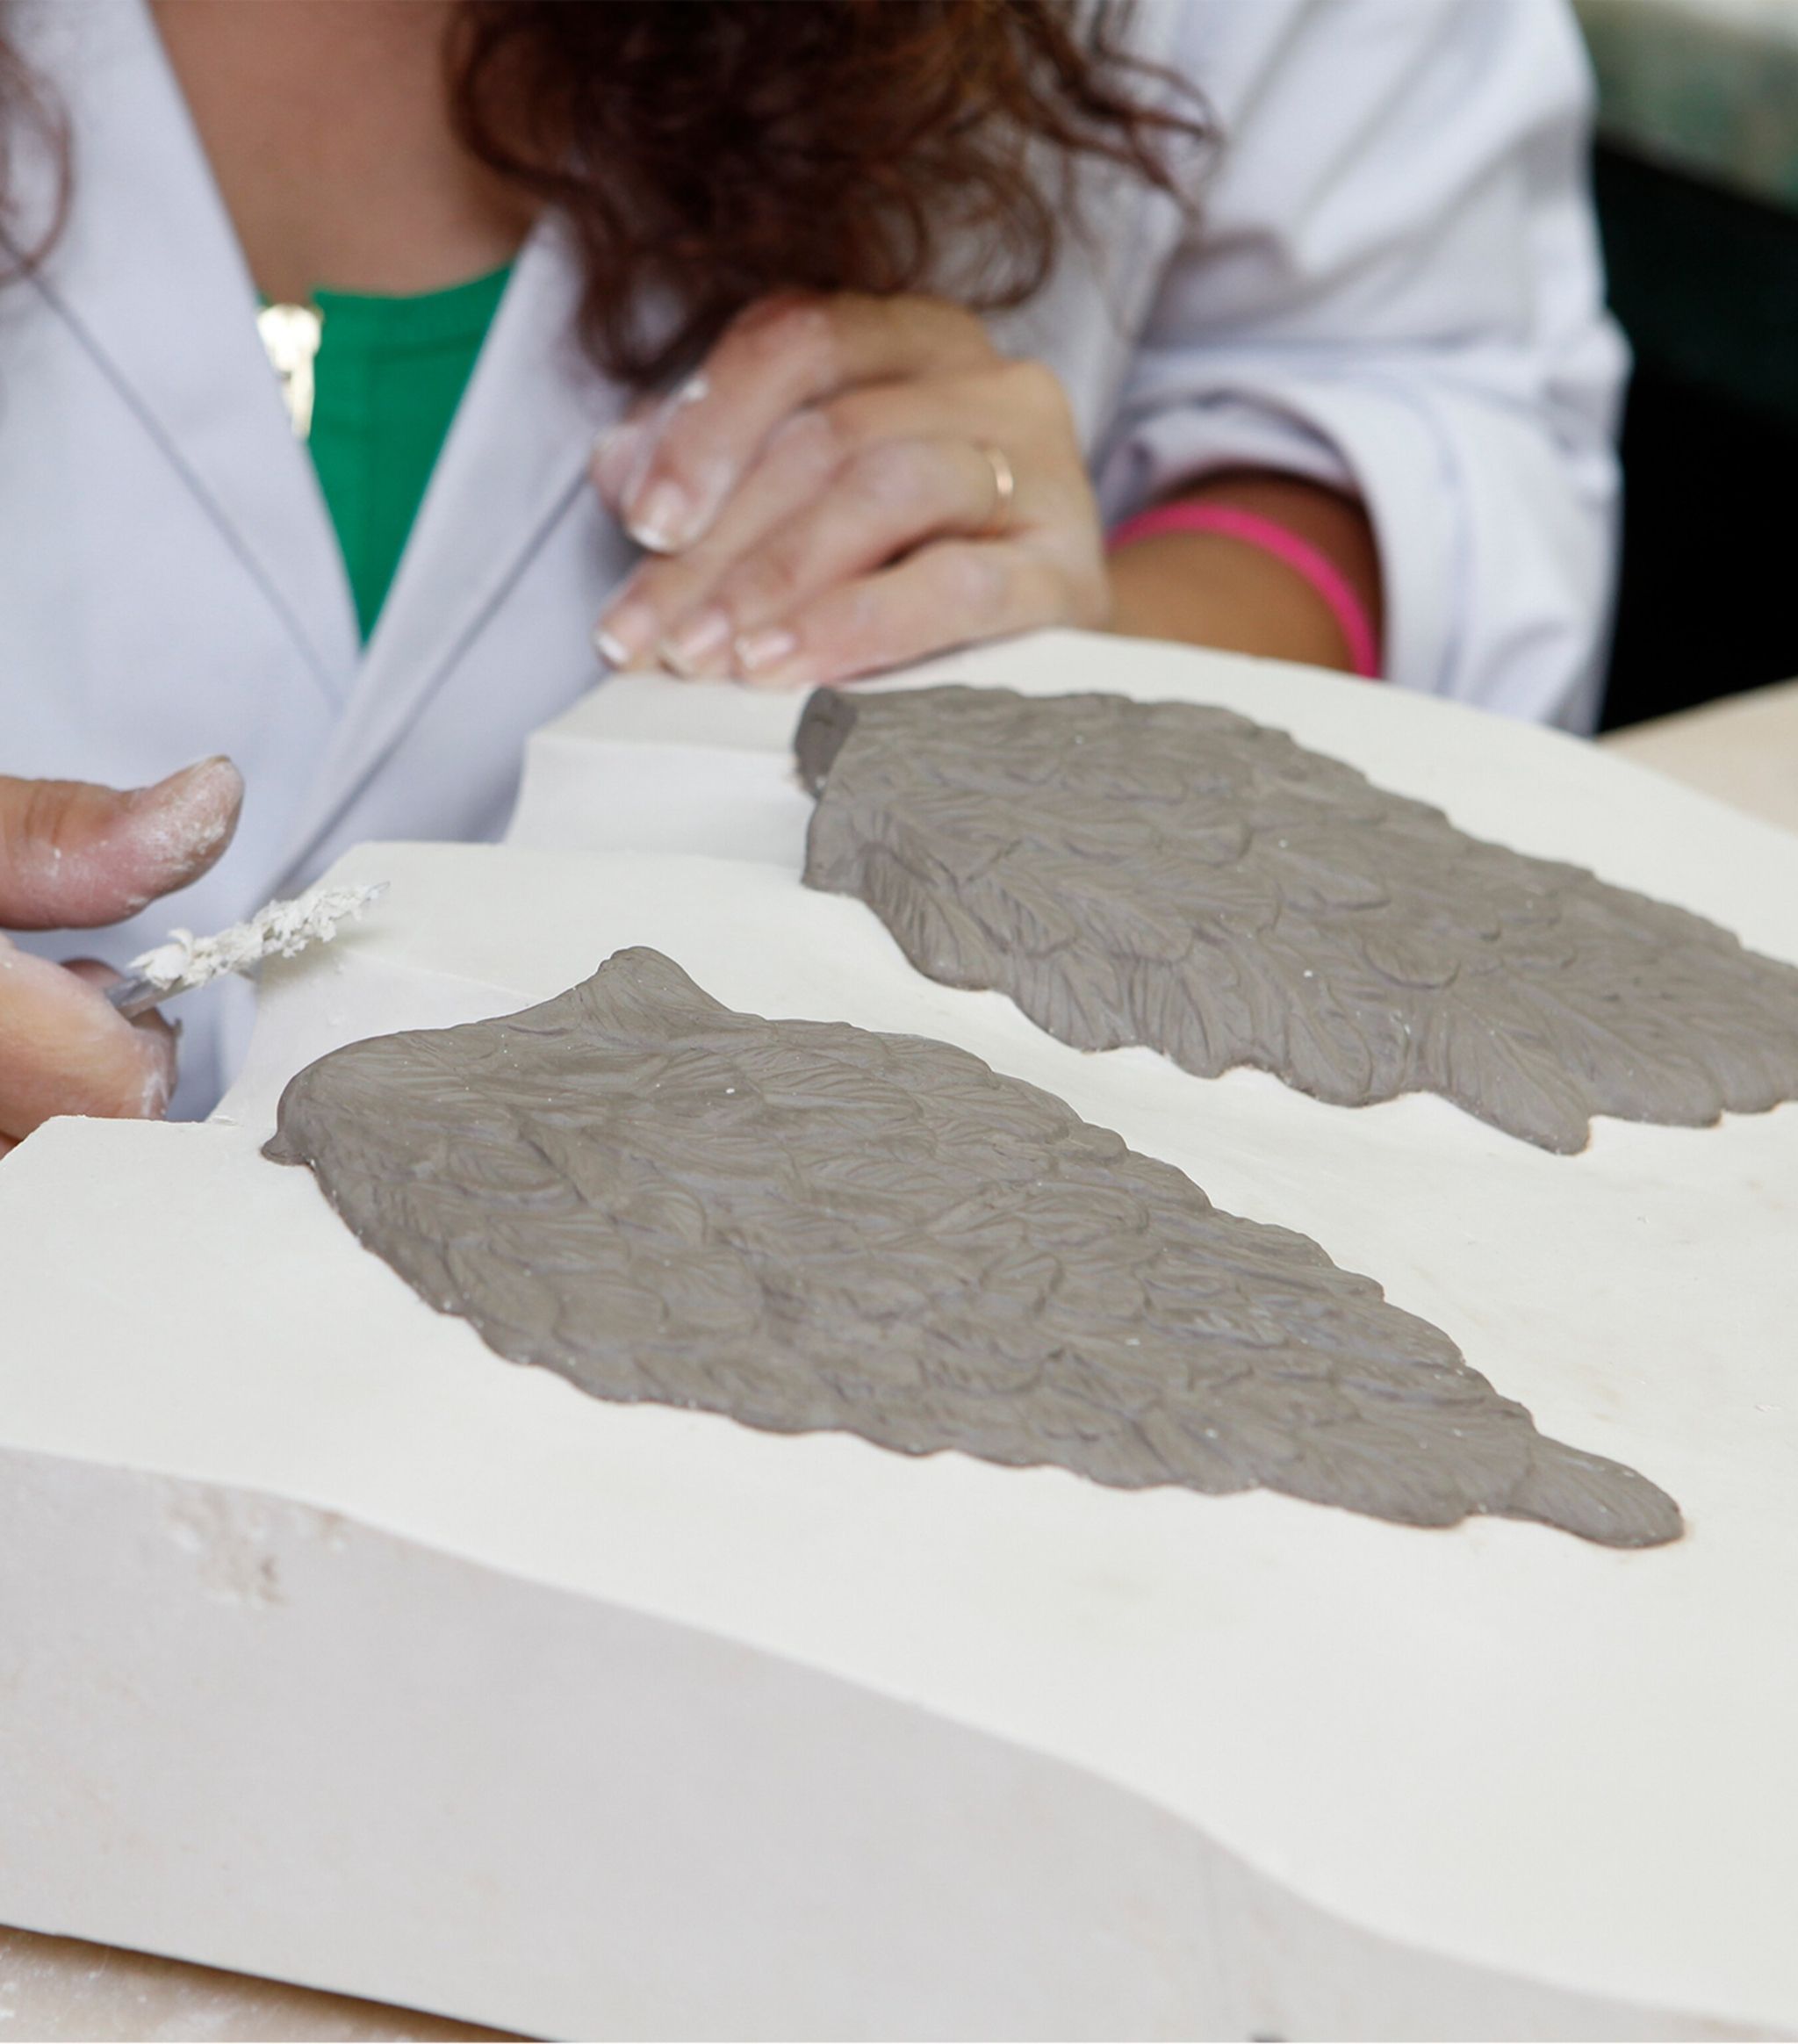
(1180,877)
(805,1226)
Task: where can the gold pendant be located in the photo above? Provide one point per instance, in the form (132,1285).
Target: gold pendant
(290,336)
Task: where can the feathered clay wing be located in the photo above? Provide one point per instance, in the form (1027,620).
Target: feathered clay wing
(804,1225)
(1177,876)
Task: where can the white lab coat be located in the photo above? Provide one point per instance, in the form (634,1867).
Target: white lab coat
(1393,286)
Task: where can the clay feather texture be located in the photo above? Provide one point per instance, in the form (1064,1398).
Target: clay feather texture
(805,1225)
(1178,876)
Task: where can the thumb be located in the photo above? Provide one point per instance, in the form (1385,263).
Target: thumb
(73,854)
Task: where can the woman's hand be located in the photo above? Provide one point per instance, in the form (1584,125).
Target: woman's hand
(848,484)
(73,855)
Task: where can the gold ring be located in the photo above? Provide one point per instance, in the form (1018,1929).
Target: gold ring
(1004,488)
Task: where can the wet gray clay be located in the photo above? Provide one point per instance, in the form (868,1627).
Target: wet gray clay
(804,1225)
(1177,877)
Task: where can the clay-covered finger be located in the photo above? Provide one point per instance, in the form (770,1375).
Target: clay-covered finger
(74,855)
(65,1049)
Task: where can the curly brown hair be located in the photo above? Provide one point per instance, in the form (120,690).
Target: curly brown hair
(709,153)
(706,153)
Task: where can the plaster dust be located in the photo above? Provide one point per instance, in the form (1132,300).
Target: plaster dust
(1179,876)
(278,930)
(807,1226)
(183,818)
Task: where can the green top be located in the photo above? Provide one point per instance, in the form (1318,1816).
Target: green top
(388,375)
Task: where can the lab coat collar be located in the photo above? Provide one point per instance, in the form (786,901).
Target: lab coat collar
(516,458)
(149,275)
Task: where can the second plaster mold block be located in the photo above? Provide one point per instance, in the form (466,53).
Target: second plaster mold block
(807,1226)
(1181,877)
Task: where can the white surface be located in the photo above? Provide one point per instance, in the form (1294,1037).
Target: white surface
(376,1763)
(1496,1744)
(1743,750)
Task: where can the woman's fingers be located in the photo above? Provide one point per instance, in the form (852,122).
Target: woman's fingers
(882,500)
(943,595)
(796,468)
(65,1049)
(849,483)
(888,500)
(621,453)
(845,487)
(74,855)
(667,474)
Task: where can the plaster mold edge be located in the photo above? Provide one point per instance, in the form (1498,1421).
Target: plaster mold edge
(543,1839)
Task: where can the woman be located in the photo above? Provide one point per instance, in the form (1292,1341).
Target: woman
(1324,281)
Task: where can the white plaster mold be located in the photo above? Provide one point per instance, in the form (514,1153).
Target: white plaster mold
(335,1648)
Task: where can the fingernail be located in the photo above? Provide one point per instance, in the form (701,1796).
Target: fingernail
(662,525)
(159,1075)
(760,653)
(181,785)
(626,633)
(697,641)
(615,454)
(189,812)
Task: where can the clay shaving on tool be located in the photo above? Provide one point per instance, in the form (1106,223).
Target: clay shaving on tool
(281,929)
